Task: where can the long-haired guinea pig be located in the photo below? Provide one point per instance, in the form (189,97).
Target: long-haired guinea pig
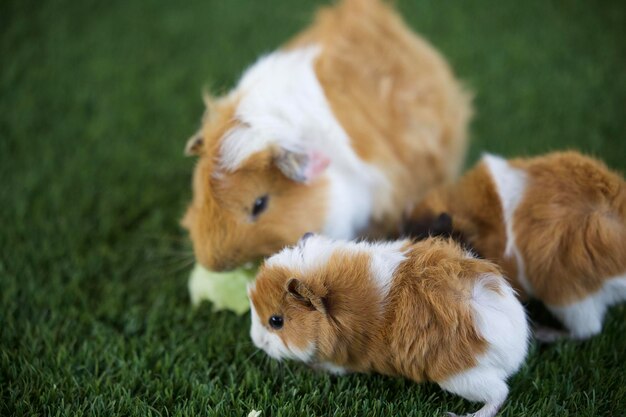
(556,224)
(427,311)
(338,131)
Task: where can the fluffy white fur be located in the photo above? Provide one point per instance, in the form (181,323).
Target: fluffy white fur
(282,104)
(584,318)
(501,320)
(272,344)
(510,185)
(316,250)
(386,257)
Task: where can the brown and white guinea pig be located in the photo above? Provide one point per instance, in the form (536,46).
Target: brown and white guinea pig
(556,224)
(427,311)
(337,132)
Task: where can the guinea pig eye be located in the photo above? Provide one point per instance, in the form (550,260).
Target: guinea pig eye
(276,322)
(259,206)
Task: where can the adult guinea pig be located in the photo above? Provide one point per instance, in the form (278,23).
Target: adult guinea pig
(556,224)
(337,132)
(427,311)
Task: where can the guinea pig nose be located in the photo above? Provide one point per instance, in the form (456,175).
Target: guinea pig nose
(222,266)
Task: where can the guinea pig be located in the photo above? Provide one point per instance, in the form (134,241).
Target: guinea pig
(427,311)
(556,224)
(337,132)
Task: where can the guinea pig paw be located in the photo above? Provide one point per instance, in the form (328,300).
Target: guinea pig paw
(546,334)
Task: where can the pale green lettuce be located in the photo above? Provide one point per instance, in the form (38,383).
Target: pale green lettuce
(226,290)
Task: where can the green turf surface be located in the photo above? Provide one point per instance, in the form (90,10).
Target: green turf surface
(96,101)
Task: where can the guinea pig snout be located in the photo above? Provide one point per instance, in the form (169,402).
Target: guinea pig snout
(257,338)
(223,266)
(257,333)
(263,340)
(215,260)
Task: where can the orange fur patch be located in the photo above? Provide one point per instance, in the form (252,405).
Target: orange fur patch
(431,295)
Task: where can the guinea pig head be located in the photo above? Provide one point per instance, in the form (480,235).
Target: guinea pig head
(288,314)
(315,302)
(251,197)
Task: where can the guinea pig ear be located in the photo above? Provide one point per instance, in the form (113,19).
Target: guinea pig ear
(304,238)
(195,144)
(301,166)
(301,292)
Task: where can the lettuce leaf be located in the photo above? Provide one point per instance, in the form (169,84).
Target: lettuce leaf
(226,290)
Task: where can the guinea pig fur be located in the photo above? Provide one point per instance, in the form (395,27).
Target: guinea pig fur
(556,224)
(427,311)
(338,131)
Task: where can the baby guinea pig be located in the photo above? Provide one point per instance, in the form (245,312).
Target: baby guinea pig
(427,311)
(555,224)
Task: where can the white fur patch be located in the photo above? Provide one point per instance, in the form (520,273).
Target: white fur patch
(273,345)
(281,103)
(501,320)
(385,260)
(584,318)
(351,200)
(276,95)
(316,251)
(510,185)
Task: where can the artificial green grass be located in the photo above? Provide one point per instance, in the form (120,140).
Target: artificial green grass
(96,101)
